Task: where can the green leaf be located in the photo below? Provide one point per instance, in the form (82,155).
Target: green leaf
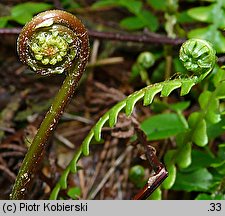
(215,130)
(149,20)
(156,195)
(170,180)
(211,105)
(162,126)
(133,6)
(200,137)
(219,165)
(198,127)
(158,106)
(221,151)
(68,4)
(24,12)
(171,168)
(221,93)
(132,23)
(183,158)
(198,180)
(213,114)
(209,33)
(74,192)
(204,99)
(204,196)
(141,20)
(200,159)
(104,3)
(3,21)
(203,14)
(218,79)
(157,4)
(208,13)
(179,106)
(183,17)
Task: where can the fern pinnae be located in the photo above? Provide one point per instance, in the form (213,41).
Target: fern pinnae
(132,100)
(186,85)
(55,192)
(87,140)
(63,180)
(148,93)
(99,125)
(169,87)
(114,112)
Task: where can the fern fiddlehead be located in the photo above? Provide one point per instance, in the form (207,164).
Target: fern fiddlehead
(197,55)
(52,42)
(181,157)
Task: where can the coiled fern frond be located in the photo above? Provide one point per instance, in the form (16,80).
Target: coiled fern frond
(53,42)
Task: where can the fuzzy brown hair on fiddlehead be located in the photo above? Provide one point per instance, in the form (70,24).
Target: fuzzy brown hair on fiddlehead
(52,42)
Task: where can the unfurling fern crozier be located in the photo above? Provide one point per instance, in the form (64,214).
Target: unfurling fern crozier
(52,42)
(198,57)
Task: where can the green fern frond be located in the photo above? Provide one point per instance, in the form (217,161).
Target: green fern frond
(147,94)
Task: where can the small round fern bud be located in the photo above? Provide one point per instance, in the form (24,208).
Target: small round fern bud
(53,42)
(198,56)
(137,174)
(146,59)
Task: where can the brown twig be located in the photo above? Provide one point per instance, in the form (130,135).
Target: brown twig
(10,31)
(141,38)
(12,154)
(98,166)
(14,147)
(152,184)
(58,4)
(118,161)
(11,175)
(149,38)
(159,169)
